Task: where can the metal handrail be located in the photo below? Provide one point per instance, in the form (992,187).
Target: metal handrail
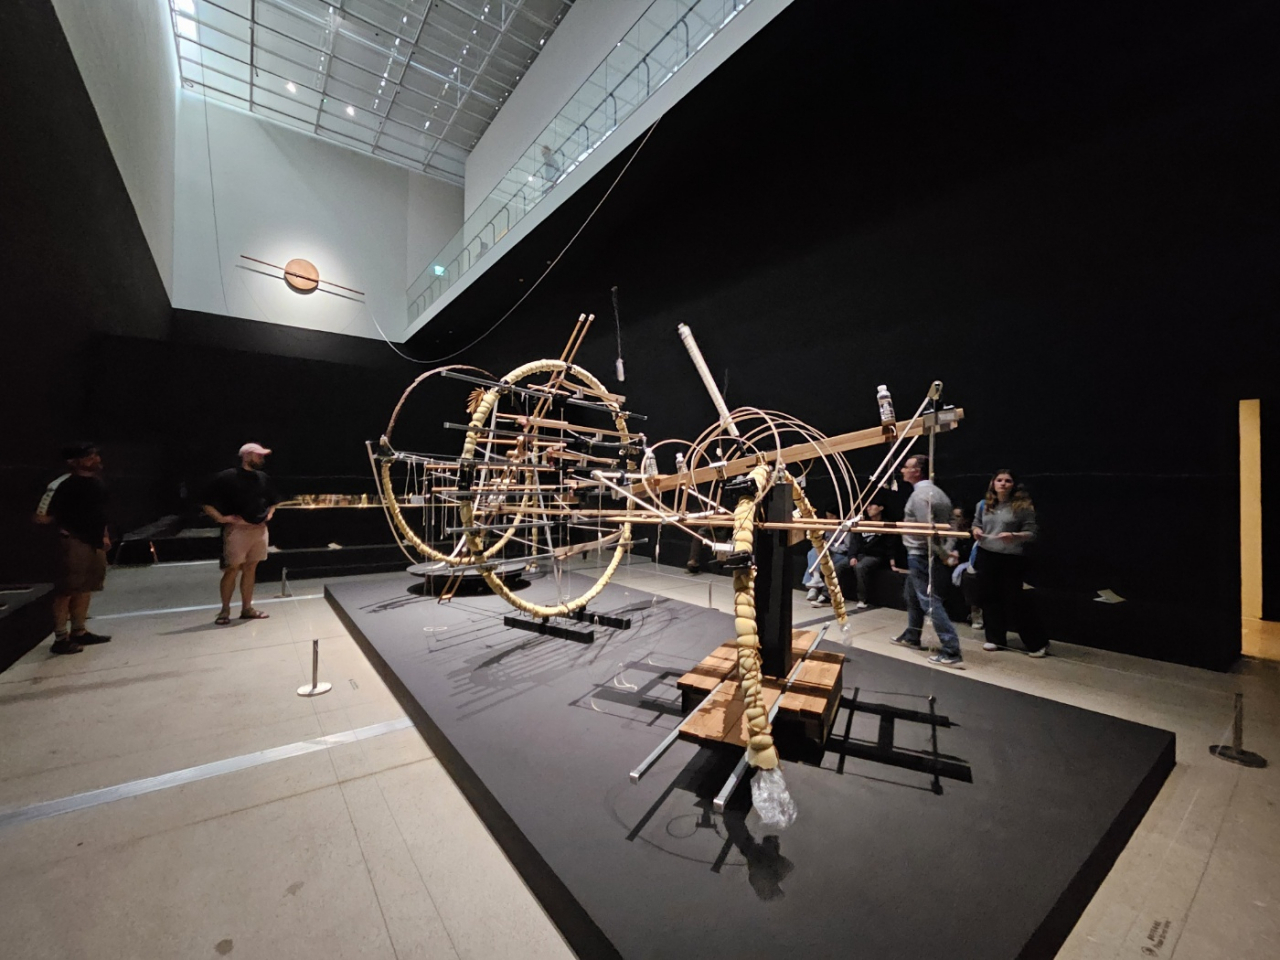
(582,133)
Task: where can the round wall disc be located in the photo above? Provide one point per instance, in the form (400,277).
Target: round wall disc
(301,275)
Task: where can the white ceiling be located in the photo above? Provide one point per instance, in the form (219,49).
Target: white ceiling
(416,82)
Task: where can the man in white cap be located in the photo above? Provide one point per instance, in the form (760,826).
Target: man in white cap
(243,500)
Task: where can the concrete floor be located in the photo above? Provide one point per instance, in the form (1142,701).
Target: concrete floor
(365,848)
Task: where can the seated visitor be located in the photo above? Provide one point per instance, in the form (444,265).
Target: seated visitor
(964,576)
(871,553)
(840,555)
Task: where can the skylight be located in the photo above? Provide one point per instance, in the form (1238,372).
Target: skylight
(416,82)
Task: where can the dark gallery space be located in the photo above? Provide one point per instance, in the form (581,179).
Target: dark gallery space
(425,643)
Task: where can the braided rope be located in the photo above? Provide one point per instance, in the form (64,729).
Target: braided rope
(475,542)
(761,752)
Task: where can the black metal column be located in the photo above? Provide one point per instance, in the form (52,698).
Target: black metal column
(773,585)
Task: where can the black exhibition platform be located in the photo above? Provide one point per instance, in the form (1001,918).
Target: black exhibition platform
(994,860)
(26,618)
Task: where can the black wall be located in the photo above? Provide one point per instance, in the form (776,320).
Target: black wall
(75,264)
(92,348)
(1067,215)
(181,408)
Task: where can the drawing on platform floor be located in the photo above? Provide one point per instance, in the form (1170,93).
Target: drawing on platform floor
(552,464)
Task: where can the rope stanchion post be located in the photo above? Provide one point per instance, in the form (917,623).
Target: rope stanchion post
(1235,751)
(316,687)
(284,583)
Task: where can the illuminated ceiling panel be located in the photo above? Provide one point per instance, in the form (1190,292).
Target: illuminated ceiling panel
(416,82)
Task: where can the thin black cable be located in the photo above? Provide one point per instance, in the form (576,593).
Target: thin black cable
(617,319)
(619,370)
(213,196)
(550,267)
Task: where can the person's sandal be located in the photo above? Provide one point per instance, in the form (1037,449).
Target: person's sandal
(223,618)
(251,614)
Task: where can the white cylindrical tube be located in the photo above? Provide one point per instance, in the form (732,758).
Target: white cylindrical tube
(696,356)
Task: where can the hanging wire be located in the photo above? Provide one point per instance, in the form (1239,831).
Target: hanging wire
(213,198)
(617,319)
(551,266)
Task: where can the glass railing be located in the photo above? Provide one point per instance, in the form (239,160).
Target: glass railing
(663,40)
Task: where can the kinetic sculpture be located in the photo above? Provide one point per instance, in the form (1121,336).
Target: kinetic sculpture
(532,478)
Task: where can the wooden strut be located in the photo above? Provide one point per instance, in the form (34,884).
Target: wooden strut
(856,440)
(725,520)
(558,425)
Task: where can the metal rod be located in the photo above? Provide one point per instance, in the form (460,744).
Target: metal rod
(541,393)
(316,688)
(290,273)
(708,381)
(722,798)
(669,739)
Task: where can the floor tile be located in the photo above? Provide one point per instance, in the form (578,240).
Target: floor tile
(368,849)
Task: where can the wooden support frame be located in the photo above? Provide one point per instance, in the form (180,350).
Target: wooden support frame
(873,436)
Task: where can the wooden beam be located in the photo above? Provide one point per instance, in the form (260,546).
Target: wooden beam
(874,436)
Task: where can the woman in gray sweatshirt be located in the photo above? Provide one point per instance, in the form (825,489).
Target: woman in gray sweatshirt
(1005,522)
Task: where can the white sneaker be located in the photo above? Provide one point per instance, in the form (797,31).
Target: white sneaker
(1042,652)
(812,595)
(990,646)
(861,605)
(977,624)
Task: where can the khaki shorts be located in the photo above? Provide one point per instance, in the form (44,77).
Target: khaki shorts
(244,543)
(81,568)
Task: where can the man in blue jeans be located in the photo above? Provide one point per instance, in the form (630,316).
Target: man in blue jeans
(927,504)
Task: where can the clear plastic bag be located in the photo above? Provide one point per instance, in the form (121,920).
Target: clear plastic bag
(772,800)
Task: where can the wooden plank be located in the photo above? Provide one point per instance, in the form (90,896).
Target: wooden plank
(719,663)
(713,668)
(702,678)
(819,672)
(800,640)
(718,720)
(721,720)
(803,703)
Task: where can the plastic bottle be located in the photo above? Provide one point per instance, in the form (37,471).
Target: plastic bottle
(888,421)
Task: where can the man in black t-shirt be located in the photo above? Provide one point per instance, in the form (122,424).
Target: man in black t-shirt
(243,500)
(77,504)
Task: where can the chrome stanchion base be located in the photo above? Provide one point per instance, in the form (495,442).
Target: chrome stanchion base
(317,686)
(1246,758)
